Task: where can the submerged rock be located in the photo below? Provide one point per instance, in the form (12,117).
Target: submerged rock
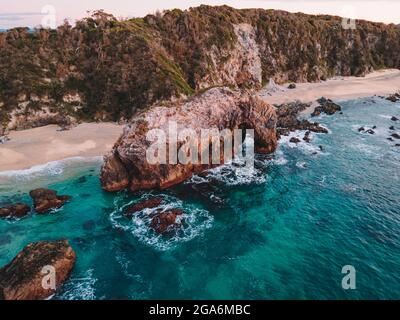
(145,204)
(46,199)
(24,276)
(82,179)
(18,210)
(126,166)
(164,222)
(89,225)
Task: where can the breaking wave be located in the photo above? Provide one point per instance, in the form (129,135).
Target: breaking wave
(305,147)
(52,168)
(79,288)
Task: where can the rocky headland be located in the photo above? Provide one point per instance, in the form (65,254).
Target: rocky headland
(105,69)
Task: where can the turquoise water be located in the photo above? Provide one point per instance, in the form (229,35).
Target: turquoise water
(281,231)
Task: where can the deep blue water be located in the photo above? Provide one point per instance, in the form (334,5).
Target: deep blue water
(282,231)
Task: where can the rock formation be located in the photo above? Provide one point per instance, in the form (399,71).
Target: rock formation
(18,210)
(395,135)
(45,200)
(165,222)
(326,106)
(126,165)
(294,140)
(22,278)
(287,119)
(394,97)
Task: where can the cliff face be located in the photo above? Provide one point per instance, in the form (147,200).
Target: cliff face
(127,166)
(104,69)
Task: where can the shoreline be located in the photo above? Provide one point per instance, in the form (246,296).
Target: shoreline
(34,147)
(378,83)
(39,146)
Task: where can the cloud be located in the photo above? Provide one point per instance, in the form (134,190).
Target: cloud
(17,16)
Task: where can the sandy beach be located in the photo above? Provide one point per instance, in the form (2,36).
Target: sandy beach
(382,82)
(37,146)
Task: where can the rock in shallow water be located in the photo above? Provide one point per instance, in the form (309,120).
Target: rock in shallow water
(326,106)
(294,140)
(165,222)
(288,121)
(46,199)
(394,97)
(306,137)
(18,210)
(22,278)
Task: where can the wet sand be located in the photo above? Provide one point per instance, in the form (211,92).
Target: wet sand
(37,146)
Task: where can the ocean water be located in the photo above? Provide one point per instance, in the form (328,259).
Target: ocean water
(283,230)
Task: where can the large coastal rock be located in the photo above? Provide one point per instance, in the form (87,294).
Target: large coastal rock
(24,276)
(219,108)
(46,199)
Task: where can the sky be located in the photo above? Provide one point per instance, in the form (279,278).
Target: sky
(33,13)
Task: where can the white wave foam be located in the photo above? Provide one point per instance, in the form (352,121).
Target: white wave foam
(301,164)
(237,174)
(194,222)
(80,288)
(384,116)
(279,158)
(366,148)
(308,148)
(52,168)
(378,131)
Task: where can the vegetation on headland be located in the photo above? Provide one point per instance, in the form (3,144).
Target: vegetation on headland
(106,69)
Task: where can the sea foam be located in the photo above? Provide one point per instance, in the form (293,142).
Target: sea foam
(194,222)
